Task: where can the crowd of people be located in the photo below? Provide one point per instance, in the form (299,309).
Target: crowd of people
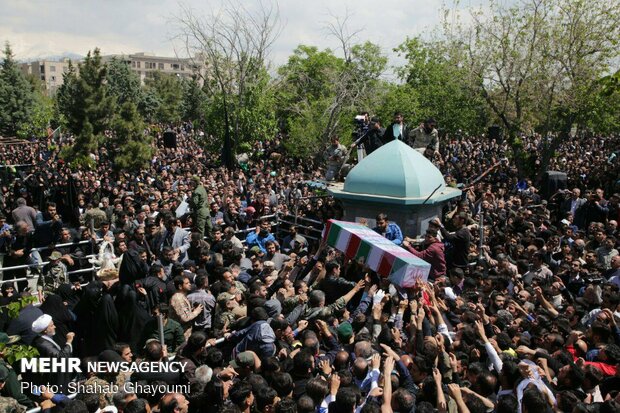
(520,315)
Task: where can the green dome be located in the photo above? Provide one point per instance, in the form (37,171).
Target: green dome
(395,170)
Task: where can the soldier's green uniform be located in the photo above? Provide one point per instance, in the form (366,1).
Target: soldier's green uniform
(199,203)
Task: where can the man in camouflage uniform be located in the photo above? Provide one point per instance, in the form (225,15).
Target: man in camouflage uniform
(94,215)
(10,387)
(229,310)
(10,405)
(199,203)
(426,136)
(334,155)
(53,274)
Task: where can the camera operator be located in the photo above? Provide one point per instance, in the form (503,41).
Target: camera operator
(362,125)
(371,140)
(426,136)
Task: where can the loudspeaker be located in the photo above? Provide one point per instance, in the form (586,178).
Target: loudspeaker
(170,139)
(552,182)
(495,132)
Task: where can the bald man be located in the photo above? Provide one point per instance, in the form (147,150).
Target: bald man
(173,403)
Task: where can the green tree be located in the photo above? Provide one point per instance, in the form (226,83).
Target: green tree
(538,63)
(440,90)
(16,95)
(230,49)
(84,98)
(193,104)
(168,93)
(133,147)
(40,119)
(320,93)
(149,104)
(87,106)
(123,83)
(396,97)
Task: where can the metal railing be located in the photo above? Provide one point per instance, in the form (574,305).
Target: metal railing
(67,244)
(93,269)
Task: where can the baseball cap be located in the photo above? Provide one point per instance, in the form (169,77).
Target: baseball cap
(345,332)
(243,360)
(224,298)
(55,256)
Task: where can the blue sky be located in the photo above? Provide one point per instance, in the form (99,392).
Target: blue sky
(37,28)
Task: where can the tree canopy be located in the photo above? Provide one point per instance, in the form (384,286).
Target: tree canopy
(544,66)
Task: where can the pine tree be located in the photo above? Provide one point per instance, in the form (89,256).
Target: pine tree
(133,148)
(123,83)
(16,95)
(87,105)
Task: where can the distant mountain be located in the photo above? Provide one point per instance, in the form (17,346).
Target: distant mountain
(72,56)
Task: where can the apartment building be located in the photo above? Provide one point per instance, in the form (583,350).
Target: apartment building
(49,71)
(145,65)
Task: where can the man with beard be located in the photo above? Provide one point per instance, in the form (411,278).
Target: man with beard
(334,155)
(182,309)
(433,253)
(260,236)
(397,130)
(176,238)
(426,136)
(45,329)
(48,226)
(460,239)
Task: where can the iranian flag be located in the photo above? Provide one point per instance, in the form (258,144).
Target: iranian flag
(380,254)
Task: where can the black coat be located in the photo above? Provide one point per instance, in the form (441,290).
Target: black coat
(48,349)
(63,319)
(388,136)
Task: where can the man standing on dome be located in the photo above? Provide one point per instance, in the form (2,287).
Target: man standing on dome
(426,136)
(334,155)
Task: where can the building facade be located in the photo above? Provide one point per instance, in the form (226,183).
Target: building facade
(49,71)
(145,65)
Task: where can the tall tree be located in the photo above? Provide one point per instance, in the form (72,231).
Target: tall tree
(437,83)
(538,62)
(320,92)
(193,103)
(230,48)
(133,147)
(16,95)
(123,83)
(87,106)
(168,92)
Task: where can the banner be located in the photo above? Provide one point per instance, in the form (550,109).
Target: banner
(380,254)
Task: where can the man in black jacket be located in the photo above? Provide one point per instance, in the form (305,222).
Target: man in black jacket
(334,286)
(397,130)
(460,239)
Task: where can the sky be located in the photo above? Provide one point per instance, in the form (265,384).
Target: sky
(42,28)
